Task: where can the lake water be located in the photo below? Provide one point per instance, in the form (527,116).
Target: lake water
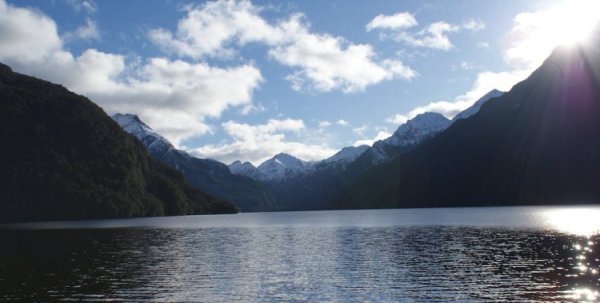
(512,254)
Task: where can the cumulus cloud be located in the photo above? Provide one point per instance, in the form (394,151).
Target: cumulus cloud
(88,31)
(323,124)
(485,82)
(319,61)
(342,122)
(213,28)
(257,143)
(397,21)
(173,96)
(26,35)
(324,63)
(434,35)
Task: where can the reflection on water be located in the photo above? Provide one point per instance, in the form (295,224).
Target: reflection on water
(302,263)
(583,221)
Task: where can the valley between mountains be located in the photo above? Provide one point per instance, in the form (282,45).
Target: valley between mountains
(538,143)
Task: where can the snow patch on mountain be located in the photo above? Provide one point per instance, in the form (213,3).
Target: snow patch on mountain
(151,139)
(477,105)
(346,155)
(246,169)
(282,166)
(413,132)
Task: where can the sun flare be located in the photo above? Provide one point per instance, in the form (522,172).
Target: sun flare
(574,21)
(536,34)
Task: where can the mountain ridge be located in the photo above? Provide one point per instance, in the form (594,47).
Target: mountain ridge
(207,175)
(68,160)
(539,143)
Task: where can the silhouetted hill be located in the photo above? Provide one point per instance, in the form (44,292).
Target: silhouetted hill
(537,144)
(62,157)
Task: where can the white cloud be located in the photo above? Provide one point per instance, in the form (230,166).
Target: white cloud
(532,38)
(324,63)
(434,35)
(320,62)
(483,45)
(212,28)
(323,124)
(380,136)
(252,108)
(360,130)
(88,31)
(173,96)
(89,6)
(342,122)
(474,25)
(485,82)
(397,21)
(466,65)
(257,143)
(26,35)
(535,34)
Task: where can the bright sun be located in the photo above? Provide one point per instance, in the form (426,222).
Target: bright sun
(536,34)
(572,21)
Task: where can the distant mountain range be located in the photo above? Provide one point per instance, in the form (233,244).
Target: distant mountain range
(206,175)
(537,144)
(64,158)
(300,185)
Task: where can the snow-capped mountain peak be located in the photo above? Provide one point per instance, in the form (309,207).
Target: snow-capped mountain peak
(346,154)
(283,165)
(246,169)
(411,133)
(418,128)
(473,109)
(134,125)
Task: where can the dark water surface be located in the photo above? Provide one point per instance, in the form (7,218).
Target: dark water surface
(519,254)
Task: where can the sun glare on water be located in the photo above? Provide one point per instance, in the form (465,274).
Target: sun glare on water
(579,221)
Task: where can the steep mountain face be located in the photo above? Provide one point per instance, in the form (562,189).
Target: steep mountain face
(207,175)
(246,169)
(283,166)
(411,133)
(155,143)
(405,138)
(477,105)
(537,144)
(64,158)
(345,156)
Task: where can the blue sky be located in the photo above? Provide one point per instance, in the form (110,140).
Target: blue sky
(246,80)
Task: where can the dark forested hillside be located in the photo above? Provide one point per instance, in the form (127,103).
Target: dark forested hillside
(537,144)
(206,175)
(62,157)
